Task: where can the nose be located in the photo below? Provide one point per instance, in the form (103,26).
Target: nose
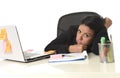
(80,37)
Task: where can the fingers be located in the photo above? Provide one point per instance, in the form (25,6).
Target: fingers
(76,48)
(108,22)
(50,52)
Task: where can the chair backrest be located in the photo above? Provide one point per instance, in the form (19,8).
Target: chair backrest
(67,20)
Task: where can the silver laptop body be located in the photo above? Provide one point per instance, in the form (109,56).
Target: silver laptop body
(11,49)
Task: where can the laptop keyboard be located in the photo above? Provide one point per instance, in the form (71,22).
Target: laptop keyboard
(35,56)
(32,55)
(29,54)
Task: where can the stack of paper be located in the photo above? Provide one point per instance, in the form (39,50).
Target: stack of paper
(68,57)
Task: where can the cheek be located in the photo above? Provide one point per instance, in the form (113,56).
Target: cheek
(87,41)
(77,37)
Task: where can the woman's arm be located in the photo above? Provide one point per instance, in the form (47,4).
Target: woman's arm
(61,43)
(77,48)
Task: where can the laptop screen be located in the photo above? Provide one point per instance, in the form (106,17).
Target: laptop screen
(10,47)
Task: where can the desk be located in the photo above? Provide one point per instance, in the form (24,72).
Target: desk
(90,68)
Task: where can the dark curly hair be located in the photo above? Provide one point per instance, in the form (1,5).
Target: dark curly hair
(96,23)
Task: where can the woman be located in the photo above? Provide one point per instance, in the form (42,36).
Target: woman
(85,36)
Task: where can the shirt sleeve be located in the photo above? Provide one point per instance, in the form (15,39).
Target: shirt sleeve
(62,42)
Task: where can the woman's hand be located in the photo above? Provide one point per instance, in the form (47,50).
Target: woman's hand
(50,52)
(77,48)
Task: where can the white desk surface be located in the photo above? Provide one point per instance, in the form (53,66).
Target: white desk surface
(91,68)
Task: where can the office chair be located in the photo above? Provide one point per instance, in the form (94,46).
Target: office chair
(70,19)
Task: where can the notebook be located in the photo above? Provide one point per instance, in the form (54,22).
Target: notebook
(68,57)
(11,49)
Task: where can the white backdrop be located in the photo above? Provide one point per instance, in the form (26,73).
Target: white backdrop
(37,20)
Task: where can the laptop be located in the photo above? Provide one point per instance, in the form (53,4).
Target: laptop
(11,49)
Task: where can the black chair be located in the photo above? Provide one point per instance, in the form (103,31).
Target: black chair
(72,19)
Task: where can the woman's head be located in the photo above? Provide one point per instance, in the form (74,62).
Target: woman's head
(88,29)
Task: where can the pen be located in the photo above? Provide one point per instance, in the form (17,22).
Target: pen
(67,56)
(102,40)
(103,50)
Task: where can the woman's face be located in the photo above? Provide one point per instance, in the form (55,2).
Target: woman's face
(84,35)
